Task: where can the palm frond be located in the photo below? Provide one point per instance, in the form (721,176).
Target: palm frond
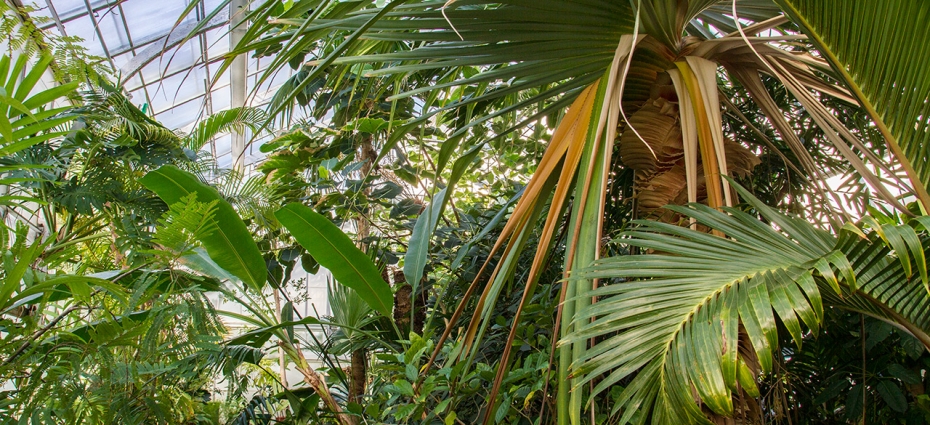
(671,319)
(235,119)
(876,49)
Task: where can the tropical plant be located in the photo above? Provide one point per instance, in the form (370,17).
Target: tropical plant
(644,78)
(700,292)
(94,328)
(562,169)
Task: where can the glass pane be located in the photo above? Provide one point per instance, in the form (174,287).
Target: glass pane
(181,115)
(224,161)
(255,64)
(217,42)
(67,8)
(182,57)
(253,153)
(110,24)
(223,144)
(209,5)
(152,71)
(222,80)
(221,99)
(122,60)
(148,19)
(175,90)
(83,27)
(42,9)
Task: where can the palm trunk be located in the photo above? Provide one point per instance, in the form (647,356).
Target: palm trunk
(358,369)
(358,375)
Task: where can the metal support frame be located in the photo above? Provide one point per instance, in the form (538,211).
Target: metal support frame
(151,48)
(238,73)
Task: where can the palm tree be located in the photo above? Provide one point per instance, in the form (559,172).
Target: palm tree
(651,79)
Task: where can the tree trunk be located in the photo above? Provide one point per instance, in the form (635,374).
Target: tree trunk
(367,155)
(358,369)
(358,375)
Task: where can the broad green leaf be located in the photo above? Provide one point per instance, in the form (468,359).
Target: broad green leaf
(388,190)
(335,251)
(231,245)
(369,125)
(892,395)
(404,387)
(201,262)
(418,247)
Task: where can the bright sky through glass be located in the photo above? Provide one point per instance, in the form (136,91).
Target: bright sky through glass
(176,87)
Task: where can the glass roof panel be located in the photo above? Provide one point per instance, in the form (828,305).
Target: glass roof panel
(110,24)
(221,99)
(224,161)
(42,10)
(83,27)
(152,19)
(218,41)
(182,58)
(122,60)
(182,115)
(223,144)
(175,89)
(67,8)
(172,85)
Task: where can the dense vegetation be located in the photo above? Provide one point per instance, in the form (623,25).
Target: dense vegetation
(533,212)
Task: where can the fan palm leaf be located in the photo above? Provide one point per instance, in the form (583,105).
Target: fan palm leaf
(671,319)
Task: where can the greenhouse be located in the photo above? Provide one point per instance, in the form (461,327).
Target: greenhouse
(527,212)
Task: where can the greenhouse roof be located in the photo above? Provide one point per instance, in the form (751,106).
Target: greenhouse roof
(173,79)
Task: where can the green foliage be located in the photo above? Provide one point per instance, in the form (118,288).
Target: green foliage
(234,119)
(885,50)
(728,288)
(186,222)
(834,367)
(335,251)
(425,123)
(231,245)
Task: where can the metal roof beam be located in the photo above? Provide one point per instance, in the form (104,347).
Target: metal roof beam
(165,43)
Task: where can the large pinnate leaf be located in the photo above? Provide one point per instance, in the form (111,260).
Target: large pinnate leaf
(878,48)
(673,317)
(231,245)
(235,119)
(335,251)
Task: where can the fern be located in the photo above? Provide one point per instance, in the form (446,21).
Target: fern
(184,224)
(72,62)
